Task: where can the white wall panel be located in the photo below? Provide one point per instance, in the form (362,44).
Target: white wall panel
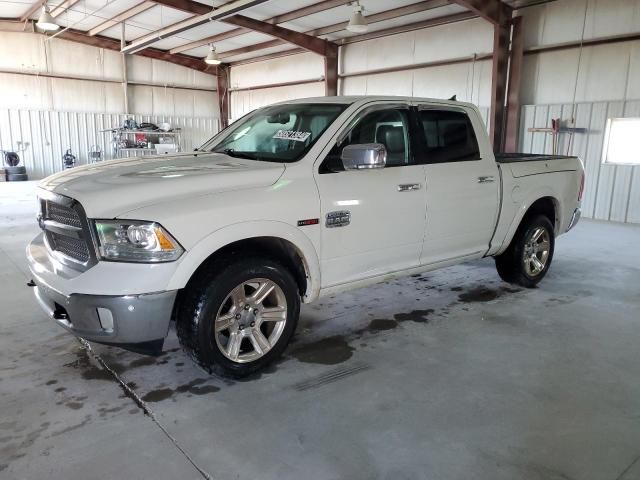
(140,99)
(205,104)
(85,96)
(20,91)
(76,59)
(397,83)
(34,53)
(562,21)
(163,101)
(183,103)
(147,70)
(51,133)
(470,82)
(445,42)
(22,51)
(305,66)
(171,74)
(139,69)
(244,101)
(612,192)
(113,99)
(203,80)
(606,72)
(172,101)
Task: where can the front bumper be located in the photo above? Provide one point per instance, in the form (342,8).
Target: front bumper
(138,321)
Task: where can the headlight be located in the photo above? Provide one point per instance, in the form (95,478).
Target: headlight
(134,241)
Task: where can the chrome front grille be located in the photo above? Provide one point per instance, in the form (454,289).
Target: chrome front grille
(66,231)
(71,247)
(63,215)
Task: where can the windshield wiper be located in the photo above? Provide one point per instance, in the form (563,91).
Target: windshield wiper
(232,153)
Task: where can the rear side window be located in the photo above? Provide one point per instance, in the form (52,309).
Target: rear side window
(449,136)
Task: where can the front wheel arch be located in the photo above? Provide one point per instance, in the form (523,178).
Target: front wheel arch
(207,248)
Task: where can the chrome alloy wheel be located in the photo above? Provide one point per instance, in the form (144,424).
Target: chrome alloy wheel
(251,320)
(536,251)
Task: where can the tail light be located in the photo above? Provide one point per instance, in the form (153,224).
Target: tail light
(581,191)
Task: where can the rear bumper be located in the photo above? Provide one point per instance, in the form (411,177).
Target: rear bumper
(575,218)
(136,322)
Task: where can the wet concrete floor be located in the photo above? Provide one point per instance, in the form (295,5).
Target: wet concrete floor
(449,375)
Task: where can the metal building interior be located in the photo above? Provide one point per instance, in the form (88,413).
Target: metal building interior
(447,374)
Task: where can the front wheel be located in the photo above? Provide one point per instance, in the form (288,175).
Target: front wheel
(528,257)
(235,319)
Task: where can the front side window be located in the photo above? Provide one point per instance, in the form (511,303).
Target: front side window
(449,136)
(388,126)
(280,133)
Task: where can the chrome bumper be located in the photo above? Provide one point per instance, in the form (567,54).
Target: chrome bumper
(575,218)
(135,322)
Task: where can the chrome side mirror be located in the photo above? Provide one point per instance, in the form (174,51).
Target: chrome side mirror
(365,155)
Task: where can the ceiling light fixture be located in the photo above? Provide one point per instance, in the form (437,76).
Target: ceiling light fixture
(46,22)
(358,23)
(212,57)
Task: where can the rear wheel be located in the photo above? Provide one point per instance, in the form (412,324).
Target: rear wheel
(237,318)
(528,257)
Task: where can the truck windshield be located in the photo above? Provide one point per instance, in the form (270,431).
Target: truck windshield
(279,133)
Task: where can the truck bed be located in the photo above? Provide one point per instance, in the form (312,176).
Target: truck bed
(525,164)
(526,157)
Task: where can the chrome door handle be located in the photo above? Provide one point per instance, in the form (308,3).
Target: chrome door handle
(488,179)
(408,187)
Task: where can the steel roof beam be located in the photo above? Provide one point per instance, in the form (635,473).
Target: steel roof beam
(285,17)
(337,27)
(121,17)
(112,44)
(495,11)
(224,11)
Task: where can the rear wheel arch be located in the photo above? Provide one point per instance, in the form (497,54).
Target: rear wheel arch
(548,206)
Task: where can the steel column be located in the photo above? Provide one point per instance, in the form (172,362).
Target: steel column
(331,72)
(513,92)
(499,85)
(223,95)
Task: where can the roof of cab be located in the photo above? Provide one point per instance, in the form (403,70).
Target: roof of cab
(349,99)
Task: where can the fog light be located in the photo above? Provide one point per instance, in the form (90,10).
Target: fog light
(106,319)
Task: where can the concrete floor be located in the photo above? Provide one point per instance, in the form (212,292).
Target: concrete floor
(449,375)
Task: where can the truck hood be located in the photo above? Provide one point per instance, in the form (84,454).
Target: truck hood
(112,188)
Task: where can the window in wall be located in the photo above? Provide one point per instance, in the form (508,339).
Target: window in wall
(622,142)
(449,136)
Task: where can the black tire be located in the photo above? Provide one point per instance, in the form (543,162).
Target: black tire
(204,297)
(511,263)
(17,177)
(13,170)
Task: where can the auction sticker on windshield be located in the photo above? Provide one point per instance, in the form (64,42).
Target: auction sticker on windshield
(294,135)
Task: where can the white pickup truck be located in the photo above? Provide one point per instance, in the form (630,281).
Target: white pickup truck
(291,202)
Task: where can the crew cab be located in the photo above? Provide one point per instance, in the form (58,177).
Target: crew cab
(292,202)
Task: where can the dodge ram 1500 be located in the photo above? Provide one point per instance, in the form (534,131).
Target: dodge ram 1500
(289,203)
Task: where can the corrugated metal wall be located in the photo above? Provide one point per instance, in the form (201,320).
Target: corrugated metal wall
(51,133)
(612,192)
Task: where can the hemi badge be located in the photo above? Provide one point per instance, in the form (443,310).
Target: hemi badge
(309,221)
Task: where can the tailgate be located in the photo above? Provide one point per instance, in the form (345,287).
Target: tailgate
(523,169)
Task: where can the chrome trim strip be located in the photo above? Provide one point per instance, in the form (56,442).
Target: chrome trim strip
(62,229)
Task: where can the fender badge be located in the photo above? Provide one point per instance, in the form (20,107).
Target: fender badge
(341,218)
(308,221)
